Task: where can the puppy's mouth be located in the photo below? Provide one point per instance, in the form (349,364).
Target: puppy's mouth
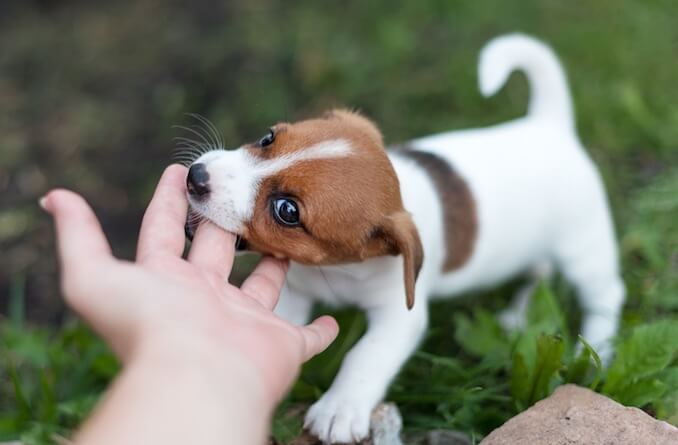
(193,220)
(192,223)
(241,244)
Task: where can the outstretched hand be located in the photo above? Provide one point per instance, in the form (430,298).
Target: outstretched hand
(165,305)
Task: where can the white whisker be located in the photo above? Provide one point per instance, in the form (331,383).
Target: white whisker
(207,138)
(183,150)
(197,133)
(211,129)
(190,142)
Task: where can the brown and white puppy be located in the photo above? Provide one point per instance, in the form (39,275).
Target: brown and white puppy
(444,215)
(303,168)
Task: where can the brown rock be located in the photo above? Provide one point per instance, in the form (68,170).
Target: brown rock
(578,416)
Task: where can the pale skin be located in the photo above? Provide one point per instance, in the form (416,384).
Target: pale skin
(203,361)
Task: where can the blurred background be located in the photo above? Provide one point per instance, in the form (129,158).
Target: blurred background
(90,91)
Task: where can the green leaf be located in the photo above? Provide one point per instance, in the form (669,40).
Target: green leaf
(667,407)
(47,408)
(480,336)
(531,382)
(578,370)
(598,364)
(24,411)
(642,392)
(670,377)
(26,345)
(287,423)
(451,364)
(544,312)
(520,381)
(650,349)
(76,409)
(550,351)
(526,345)
(39,434)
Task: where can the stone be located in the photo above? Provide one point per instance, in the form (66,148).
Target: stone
(385,426)
(578,416)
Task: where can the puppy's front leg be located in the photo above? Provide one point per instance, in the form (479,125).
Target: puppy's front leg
(293,306)
(342,415)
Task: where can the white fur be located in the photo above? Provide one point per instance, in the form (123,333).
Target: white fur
(549,95)
(327,149)
(235,176)
(539,200)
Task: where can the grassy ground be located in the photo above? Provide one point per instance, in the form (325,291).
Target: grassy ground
(88,95)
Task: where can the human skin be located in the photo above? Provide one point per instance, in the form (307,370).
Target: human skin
(203,361)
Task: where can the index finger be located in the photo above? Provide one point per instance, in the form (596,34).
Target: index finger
(162,229)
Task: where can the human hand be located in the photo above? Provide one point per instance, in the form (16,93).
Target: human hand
(181,309)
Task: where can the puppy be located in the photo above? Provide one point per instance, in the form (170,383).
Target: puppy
(439,216)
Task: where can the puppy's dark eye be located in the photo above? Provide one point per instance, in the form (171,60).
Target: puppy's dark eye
(285,211)
(267,140)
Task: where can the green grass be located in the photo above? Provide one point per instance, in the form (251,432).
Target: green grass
(49,380)
(469,374)
(91,92)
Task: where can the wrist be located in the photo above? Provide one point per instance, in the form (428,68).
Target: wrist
(176,395)
(218,380)
(269,371)
(227,372)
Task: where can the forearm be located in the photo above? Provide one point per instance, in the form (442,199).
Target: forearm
(156,400)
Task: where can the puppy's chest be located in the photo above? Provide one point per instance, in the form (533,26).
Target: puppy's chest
(357,284)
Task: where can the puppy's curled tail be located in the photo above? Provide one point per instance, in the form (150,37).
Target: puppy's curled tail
(549,93)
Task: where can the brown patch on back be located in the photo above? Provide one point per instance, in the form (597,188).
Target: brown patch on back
(459,208)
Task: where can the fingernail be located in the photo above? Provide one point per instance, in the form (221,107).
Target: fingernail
(42,202)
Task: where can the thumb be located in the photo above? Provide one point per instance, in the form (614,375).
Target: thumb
(318,335)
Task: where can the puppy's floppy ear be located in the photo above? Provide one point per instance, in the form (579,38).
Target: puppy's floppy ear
(397,235)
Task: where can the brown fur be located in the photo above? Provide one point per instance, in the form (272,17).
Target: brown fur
(341,223)
(459,208)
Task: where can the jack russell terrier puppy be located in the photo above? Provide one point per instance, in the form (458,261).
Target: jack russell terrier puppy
(440,216)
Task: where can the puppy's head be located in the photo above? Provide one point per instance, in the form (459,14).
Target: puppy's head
(320,191)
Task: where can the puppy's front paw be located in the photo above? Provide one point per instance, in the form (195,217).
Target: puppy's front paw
(339,419)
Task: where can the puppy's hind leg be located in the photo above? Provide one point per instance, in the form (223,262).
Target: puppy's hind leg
(515,316)
(589,261)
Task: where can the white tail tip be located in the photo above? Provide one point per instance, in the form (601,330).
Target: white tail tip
(549,93)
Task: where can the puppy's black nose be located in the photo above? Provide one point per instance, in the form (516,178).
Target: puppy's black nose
(197,181)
